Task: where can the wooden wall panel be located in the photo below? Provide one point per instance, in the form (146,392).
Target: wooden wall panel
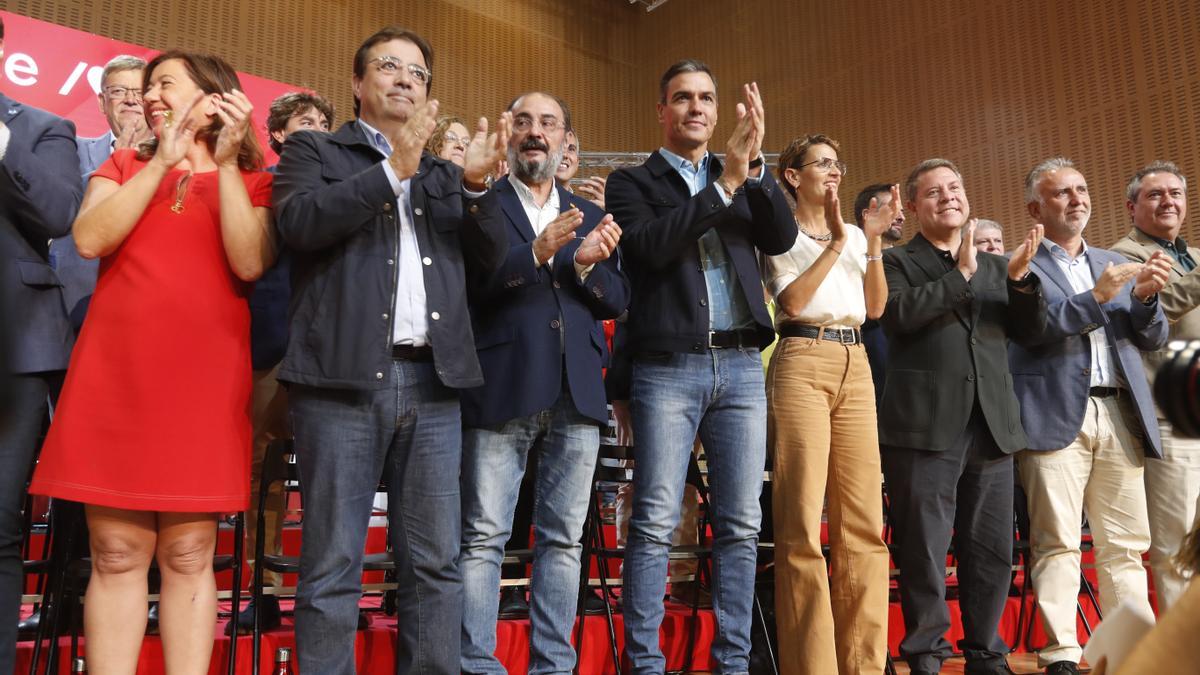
(995,86)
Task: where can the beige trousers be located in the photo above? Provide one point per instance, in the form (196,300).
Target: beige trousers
(1172,498)
(821,430)
(1100,473)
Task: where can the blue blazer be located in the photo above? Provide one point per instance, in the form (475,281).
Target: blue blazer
(529,320)
(78,275)
(39,197)
(1052,372)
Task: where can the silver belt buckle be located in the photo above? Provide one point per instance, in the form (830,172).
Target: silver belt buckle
(846,336)
(710,340)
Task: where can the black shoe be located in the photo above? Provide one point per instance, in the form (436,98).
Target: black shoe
(152,619)
(513,604)
(28,627)
(269,617)
(593,602)
(1063,668)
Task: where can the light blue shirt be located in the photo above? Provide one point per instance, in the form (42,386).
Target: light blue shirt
(727,307)
(1078,272)
(410,323)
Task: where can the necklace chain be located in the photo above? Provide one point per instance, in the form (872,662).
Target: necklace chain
(828,236)
(180,192)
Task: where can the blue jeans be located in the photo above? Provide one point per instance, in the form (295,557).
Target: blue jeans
(493,464)
(411,435)
(721,394)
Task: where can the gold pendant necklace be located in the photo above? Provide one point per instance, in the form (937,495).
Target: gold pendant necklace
(181,189)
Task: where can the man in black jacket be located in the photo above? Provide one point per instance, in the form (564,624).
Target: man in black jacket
(949,420)
(39,195)
(697,321)
(380,340)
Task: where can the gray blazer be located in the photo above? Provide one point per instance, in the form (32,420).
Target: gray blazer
(78,276)
(1052,370)
(39,197)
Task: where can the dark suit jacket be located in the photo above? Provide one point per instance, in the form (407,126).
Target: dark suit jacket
(947,348)
(334,208)
(1053,371)
(662,224)
(39,197)
(530,320)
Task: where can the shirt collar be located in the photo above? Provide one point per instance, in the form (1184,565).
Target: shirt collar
(525,194)
(682,164)
(1179,244)
(375,138)
(1061,253)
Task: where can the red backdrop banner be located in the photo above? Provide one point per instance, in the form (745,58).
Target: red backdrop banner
(58,69)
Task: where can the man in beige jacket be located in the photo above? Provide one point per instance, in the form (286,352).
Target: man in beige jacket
(1157,205)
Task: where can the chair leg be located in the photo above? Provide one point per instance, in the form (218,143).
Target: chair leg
(596,532)
(762,621)
(238,551)
(581,596)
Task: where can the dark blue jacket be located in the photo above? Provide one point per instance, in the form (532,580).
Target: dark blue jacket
(662,226)
(530,320)
(269,311)
(334,209)
(39,197)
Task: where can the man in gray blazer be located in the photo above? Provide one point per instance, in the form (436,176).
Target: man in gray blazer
(1086,410)
(1157,203)
(39,196)
(120,100)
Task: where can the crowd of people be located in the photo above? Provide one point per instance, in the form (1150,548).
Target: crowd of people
(420,299)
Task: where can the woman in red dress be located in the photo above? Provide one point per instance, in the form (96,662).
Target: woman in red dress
(152,431)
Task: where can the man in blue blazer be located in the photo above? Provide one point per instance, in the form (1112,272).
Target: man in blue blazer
(120,101)
(541,346)
(39,196)
(1086,409)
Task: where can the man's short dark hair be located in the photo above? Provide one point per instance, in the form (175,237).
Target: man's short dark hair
(679,68)
(1134,189)
(387,35)
(910,183)
(863,201)
(568,125)
(288,106)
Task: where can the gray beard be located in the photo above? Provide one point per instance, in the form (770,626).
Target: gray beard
(532,171)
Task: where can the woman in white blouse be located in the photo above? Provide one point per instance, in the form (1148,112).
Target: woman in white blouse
(821,424)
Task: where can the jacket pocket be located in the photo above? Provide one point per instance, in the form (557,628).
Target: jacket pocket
(910,399)
(37,273)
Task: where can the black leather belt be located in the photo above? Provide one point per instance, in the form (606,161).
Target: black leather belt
(845,336)
(411,353)
(721,339)
(1104,392)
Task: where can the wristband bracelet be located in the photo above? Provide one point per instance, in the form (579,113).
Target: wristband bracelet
(873,258)
(756,162)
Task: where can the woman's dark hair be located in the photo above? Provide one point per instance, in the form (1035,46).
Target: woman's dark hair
(793,155)
(213,76)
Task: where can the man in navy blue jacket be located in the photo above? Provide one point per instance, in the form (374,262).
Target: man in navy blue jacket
(1087,410)
(39,195)
(380,342)
(541,345)
(697,321)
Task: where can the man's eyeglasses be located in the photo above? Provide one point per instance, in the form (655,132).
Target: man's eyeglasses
(548,123)
(454,139)
(390,65)
(825,164)
(121,93)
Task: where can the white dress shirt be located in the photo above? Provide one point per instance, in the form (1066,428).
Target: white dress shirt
(541,216)
(410,323)
(1078,272)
